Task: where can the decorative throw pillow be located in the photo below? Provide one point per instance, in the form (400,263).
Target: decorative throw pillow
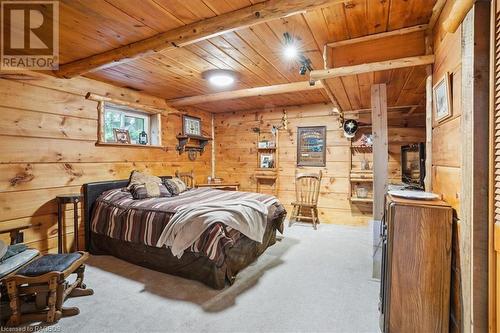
(175,186)
(140,178)
(140,192)
(143,186)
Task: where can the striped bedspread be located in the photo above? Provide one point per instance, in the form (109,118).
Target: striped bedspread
(118,215)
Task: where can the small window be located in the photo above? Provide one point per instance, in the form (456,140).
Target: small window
(127,120)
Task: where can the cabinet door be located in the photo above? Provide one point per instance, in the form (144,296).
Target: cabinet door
(384,278)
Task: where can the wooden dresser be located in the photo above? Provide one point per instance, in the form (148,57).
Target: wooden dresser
(416,266)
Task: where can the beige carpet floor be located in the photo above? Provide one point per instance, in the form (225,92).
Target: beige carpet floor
(311,281)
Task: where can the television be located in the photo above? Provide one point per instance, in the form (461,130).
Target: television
(413,165)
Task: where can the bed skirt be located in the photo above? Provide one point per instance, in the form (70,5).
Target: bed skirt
(194,266)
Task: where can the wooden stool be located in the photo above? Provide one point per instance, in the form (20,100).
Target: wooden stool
(45,279)
(63,199)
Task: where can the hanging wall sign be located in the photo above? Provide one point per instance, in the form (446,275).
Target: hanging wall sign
(311,146)
(191,126)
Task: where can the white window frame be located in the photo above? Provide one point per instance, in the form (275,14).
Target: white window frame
(152,123)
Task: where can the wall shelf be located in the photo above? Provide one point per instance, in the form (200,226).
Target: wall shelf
(130,145)
(270,175)
(361,200)
(361,180)
(359,177)
(192,142)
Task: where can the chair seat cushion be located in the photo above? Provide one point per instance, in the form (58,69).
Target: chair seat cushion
(49,263)
(13,263)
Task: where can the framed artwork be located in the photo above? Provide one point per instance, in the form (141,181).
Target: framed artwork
(311,146)
(442,98)
(191,125)
(266,161)
(121,135)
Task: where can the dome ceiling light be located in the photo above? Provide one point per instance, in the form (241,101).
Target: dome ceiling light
(220,78)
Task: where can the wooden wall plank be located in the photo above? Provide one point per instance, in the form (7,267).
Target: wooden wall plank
(237,158)
(48,132)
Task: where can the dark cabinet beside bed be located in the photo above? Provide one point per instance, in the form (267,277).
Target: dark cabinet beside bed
(416,266)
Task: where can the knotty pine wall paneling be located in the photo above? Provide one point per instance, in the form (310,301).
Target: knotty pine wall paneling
(236,156)
(446,147)
(48,132)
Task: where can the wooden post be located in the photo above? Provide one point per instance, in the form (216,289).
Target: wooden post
(474,168)
(494,225)
(213,147)
(100,122)
(428,130)
(380,148)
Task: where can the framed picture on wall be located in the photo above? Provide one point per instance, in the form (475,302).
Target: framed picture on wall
(121,135)
(191,125)
(311,146)
(266,161)
(442,98)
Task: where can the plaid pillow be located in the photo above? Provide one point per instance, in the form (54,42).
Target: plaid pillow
(140,192)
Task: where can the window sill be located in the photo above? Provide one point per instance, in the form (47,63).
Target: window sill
(113,144)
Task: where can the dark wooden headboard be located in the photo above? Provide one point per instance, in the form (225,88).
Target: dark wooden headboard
(92,191)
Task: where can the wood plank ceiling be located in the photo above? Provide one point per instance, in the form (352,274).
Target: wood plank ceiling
(92,26)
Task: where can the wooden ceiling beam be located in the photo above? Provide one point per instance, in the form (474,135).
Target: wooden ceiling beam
(192,33)
(331,96)
(248,92)
(457,14)
(397,108)
(322,74)
(436,11)
(381,35)
(134,105)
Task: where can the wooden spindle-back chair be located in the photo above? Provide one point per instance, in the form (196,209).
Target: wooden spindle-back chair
(186,177)
(307,185)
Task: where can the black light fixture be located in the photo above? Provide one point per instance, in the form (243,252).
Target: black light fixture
(291,52)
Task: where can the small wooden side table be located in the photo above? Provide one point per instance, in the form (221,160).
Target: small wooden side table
(222,186)
(63,199)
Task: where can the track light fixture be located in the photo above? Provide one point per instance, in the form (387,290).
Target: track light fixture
(305,65)
(291,51)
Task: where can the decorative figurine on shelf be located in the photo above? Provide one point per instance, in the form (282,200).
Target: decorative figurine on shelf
(263,144)
(143,138)
(366,140)
(282,126)
(365,165)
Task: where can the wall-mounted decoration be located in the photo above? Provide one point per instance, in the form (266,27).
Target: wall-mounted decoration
(121,135)
(442,98)
(263,144)
(191,126)
(350,128)
(192,145)
(266,161)
(311,146)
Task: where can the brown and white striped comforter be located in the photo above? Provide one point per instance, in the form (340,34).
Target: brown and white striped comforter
(118,215)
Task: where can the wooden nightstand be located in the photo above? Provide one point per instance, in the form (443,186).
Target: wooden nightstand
(63,199)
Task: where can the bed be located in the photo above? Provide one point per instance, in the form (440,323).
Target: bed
(118,226)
